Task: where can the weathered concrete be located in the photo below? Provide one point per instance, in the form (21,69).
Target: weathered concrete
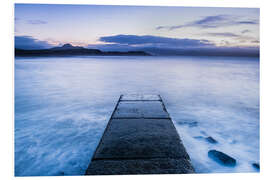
(140,97)
(140,138)
(140,109)
(140,166)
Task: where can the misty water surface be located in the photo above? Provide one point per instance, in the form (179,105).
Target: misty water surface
(62,106)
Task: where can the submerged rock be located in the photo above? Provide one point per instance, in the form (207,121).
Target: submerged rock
(203,133)
(256,166)
(211,140)
(61,173)
(222,158)
(198,137)
(190,124)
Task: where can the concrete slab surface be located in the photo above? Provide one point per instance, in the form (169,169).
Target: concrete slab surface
(140,109)
(140,97)
(140,166)
(140,138)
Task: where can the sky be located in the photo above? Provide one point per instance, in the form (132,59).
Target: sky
(39,26)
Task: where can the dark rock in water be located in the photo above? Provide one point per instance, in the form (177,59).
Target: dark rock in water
(190,124)
(222,158)
(61,173)
(211,140)
(193,124)
(256,165)
(198,137)
(203,133)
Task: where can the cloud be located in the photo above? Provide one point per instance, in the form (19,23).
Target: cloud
(226,34)
(242,38)
(28,42)
(255,41)
(245,31)
(154,41)
(212,22)
(157,45)
(247,22)
(36,22)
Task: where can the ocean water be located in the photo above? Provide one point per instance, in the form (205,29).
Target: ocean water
(62,106)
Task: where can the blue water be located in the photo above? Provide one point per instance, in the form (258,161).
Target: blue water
(62,106)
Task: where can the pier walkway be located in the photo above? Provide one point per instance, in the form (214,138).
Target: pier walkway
(140,138)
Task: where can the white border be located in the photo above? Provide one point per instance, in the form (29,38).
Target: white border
(7,83)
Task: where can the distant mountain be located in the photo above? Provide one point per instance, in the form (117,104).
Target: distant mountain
(69,50)
(67,47)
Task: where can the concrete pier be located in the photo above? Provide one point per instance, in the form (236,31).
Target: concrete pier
(140,138)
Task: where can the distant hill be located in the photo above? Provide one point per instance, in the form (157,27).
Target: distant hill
(69,50)
(67,47)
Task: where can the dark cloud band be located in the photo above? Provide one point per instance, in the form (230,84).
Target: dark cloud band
(157,41)
(36,22)
(212,22)
(28,42)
